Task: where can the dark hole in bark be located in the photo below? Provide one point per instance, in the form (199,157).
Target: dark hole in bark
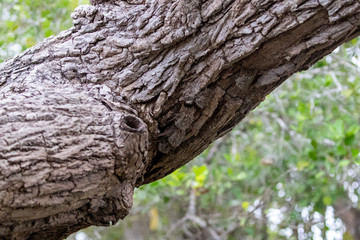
(133,123)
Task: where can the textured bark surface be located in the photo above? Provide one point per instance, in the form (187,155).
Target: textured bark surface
(135,90)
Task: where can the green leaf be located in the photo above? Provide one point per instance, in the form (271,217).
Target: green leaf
(349,140)
(201,173)
(230,171)
(166,199)
(320,174)
(341,150)
(314,143)
(327,200)
(245,205)
(198,170)
(355,152)
(354,129)
(301,165)
(313,155)
(347,92)
(240,176)
(344,163)
(200,178)
(328,80)
(336,130)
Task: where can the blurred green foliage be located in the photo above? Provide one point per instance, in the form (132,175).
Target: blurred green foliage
(275,176)
(23,23)
(280,169)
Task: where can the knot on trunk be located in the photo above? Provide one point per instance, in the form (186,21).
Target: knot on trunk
(132,124)
(131,139)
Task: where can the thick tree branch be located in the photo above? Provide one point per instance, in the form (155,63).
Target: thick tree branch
(135,90)
(63,154)
(349,215)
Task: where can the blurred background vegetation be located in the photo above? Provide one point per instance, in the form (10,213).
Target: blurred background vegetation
(290,170)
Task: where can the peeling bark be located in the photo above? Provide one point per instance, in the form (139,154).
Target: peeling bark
(135,90)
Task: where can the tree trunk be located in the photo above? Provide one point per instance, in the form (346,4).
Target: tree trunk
(349,215)
(135,90)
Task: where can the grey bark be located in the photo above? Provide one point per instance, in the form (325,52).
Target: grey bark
(135,90)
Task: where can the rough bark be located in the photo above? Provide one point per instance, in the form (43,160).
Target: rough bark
(135,90)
